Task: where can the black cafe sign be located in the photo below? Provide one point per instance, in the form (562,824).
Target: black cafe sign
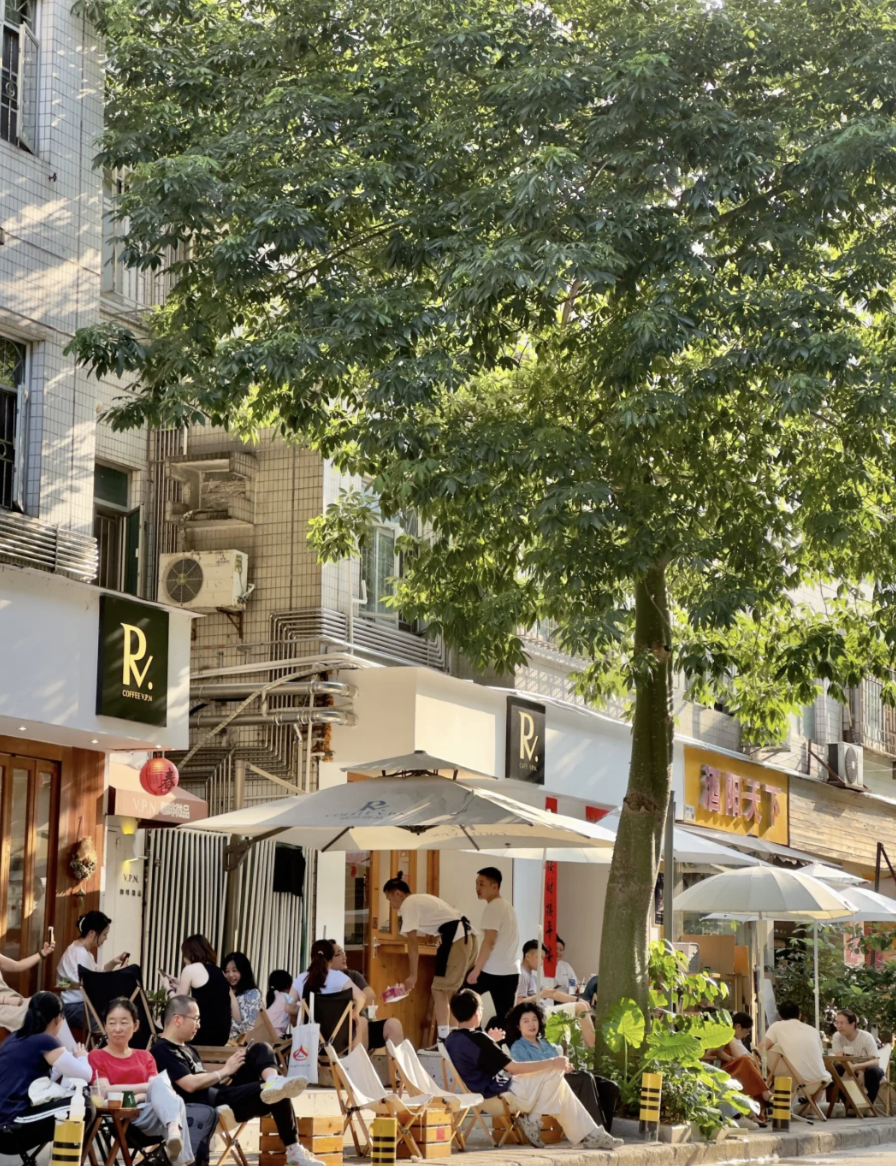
(524,755)
(132,676)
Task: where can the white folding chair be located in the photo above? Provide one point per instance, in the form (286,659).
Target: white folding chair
(358,1088)
(408,1072)
(505,1107)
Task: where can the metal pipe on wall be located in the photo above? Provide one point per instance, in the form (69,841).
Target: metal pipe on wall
(306,716)
(231,909)
(209,692)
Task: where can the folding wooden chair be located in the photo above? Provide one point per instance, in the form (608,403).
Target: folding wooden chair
(334,1013)
(504,1106)
(358,1088)
(264,1031)
(886,1093)
(797,1086)
(228,1128)
(99,989)
(848,1088)
(408,1074)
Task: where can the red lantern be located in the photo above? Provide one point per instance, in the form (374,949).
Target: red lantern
(159,776)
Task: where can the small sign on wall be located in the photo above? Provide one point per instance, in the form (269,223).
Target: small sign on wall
(524,755)
(132,672)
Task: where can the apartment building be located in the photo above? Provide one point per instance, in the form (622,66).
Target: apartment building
(72,512)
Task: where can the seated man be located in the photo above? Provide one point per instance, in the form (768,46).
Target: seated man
(564,973)
(528,992)
(247,1085)
(801,1045)
(538,1086)
(374,1033)
(861,1048)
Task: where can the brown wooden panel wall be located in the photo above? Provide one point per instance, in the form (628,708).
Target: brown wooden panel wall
(840,825)
(80,814)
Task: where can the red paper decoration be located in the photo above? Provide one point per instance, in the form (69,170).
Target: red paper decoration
(159,776)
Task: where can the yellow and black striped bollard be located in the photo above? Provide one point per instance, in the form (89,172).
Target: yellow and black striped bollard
(781,1103)
(67,1142)
(384,1133)
(651,1089)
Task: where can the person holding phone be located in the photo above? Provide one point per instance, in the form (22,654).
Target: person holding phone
(13,1006)
(202,979)
(93,931)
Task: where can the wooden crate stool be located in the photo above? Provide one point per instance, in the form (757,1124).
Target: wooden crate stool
(433,1132)
(322,1135)
(271,1151)
(551,1131)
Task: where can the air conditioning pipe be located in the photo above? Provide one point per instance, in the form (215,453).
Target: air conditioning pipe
(280,717)
(207,692)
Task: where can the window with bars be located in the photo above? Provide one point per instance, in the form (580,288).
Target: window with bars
(116,528)
(12,382)
(18,75)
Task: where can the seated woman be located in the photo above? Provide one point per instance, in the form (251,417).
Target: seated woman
(525,1032)
(28,1055)
(276,1000)
(185,1128)
(202,979)
(239,975)
(739,1063)
(93,930)
(324,979)
(12,1005)
(860,1046)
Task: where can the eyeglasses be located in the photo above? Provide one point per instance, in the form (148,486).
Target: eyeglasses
(188,1016)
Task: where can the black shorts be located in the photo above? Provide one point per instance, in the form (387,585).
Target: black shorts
(375,1037)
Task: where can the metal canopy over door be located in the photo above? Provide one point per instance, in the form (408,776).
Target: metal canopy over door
(29,793)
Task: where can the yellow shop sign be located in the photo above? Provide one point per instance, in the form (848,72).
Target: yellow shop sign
(737,796)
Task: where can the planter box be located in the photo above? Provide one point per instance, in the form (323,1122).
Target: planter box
(627,1128)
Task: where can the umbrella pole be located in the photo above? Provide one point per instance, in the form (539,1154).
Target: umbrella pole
(757,988)
(815,969)
(544,879)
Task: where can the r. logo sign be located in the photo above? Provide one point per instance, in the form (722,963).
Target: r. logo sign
(132,675)
(524,757)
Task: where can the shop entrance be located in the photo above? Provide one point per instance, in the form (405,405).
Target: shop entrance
(374,944)
(29,795)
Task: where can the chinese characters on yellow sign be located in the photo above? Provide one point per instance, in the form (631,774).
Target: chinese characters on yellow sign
(735,796)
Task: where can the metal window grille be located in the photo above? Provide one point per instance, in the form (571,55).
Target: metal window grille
(12,375)
(108,530)
(18,75)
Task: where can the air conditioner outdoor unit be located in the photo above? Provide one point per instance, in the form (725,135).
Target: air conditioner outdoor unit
(204,580)
(846,761)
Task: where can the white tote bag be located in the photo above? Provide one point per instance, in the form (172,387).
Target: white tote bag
(305,1046)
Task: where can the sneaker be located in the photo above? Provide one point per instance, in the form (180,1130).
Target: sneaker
(174,1147)
(276,1088)
(602,1141)
(531,1127)
(226,1118)
(298,1154)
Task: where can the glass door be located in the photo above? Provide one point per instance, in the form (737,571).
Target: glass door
(28,805)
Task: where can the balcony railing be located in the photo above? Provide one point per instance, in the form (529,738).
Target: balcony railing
(873,724)
(28,542)
(378,639)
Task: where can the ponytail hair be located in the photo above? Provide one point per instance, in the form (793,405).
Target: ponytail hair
(93,921)
(43,1008)
(322,952)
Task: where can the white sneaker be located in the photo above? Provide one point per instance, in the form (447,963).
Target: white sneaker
(531,1127)
(297,1154)
(276,1088)
(602,1141)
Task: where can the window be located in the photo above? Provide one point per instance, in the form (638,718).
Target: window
(116,528)
(114,272)
(18,78)
(12,410)
(379,566)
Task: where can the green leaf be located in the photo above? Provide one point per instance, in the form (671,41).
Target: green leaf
(624,1025)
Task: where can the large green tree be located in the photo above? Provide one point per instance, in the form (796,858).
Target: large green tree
(602,291)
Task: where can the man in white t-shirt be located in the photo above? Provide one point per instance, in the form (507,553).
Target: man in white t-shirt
(423,915)
(564,973)
(497,967)
(800,1044)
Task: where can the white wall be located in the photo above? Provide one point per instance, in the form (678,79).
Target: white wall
(581,893)
(122,898)
(49,629)
(457,880)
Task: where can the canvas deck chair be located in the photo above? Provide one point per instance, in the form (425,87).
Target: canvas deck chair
(850,1090)
(358,1088)
(229,1130)
(409,1074)
(504,1106)
(99,989)
(798,1086)
(333,1012)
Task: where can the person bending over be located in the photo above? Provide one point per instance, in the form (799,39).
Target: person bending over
(539,1087)
(247,1085)
(187,1129)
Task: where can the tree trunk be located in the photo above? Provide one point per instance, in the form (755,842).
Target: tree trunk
(636,856)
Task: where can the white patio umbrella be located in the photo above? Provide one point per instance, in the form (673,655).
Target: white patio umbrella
(418,764)
(765,892)
(399,813)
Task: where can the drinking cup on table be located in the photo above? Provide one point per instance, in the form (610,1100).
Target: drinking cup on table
(114,1100)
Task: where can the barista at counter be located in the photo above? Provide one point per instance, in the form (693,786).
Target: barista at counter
(458,943)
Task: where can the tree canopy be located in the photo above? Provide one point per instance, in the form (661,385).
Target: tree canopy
(602,291)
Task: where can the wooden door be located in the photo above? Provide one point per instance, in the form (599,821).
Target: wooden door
(29,792)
